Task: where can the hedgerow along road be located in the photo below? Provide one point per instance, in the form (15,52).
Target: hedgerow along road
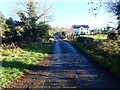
(68,68)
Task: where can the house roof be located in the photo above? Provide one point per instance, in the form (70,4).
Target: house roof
(78,26)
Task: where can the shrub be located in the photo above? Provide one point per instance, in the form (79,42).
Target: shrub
(112,36)
(84,39)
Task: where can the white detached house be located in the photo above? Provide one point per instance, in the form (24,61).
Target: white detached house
(80,29)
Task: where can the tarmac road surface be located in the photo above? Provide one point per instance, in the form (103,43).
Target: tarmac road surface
(68,68)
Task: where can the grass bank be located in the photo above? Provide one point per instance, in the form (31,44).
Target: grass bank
(96,37)
(105,52)
(17,60)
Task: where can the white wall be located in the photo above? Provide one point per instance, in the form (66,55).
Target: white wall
(80,30)
(75,31)
(84,30)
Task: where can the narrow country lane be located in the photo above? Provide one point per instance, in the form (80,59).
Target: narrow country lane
(69,69)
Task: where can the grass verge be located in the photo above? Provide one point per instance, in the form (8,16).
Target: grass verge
(105,52)
(109,60)
(16,61)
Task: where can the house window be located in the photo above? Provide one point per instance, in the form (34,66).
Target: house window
(81,29)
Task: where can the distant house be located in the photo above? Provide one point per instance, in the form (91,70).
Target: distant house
(80,29)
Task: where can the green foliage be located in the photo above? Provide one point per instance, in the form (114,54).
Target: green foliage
(62,35)
(113,36)
(23,17)
(9,21)
(15,60)
(12,35)
(43,30)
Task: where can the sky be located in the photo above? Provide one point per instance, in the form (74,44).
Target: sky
(65,13)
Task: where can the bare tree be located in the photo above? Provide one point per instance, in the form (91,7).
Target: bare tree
(113,6)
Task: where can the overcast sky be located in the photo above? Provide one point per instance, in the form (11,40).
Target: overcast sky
(65,13)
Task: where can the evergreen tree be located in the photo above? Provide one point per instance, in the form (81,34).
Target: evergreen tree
(30,18)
